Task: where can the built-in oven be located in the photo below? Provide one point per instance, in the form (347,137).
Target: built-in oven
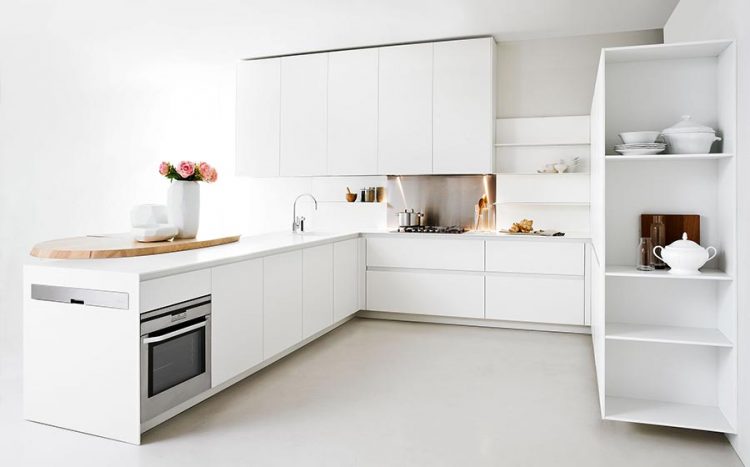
(175,355)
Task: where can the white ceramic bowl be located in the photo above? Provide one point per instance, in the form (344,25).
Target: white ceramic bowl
(639,137)
(690,143)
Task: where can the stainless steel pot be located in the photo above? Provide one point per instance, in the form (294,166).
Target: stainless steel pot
(409,218)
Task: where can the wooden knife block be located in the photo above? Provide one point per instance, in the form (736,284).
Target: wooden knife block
(674,226)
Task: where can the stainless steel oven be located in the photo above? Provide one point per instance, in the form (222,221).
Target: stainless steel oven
(175,355)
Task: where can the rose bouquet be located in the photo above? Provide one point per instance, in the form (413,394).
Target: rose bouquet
(188,171)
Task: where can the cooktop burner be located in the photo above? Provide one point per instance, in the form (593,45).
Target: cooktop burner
(451,229)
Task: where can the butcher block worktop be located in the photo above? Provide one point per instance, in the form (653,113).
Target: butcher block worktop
(119,246)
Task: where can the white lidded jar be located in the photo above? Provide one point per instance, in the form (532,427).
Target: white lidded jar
(684,257)
(689,137)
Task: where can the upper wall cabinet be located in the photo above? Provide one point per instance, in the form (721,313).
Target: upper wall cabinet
(405,120)
(353,112)
(258,109)
(304,83)
(463,110)
(400,110)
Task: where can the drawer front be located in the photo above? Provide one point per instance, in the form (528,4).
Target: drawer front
(164,291)
(535,257)
(426,293)
(424,253)
(536,299)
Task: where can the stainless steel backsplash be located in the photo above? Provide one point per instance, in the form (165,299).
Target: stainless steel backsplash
(445,199)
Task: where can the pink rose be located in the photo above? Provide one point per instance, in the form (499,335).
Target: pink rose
(212,178)
(205,170)
(164,168)
(186,169)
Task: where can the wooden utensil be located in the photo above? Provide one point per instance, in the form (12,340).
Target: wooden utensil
(674,226)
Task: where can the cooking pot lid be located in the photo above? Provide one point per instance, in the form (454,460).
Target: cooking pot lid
(684,244)
(687,125)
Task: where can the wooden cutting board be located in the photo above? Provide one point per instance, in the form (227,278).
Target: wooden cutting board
(674,226)
(119,246)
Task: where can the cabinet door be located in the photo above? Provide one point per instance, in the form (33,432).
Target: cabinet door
(236,319)
(303,114)
(345,279)
(405,102)
(282,302)
(258,107)
(317,289)
(353,112)
(463,107)
(535,298)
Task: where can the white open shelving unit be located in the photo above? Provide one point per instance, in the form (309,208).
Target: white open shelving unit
(553,201)
(665,346)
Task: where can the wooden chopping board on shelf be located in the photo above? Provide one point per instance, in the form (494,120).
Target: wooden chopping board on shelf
(119,246)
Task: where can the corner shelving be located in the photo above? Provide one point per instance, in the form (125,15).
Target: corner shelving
(668,157)
(665,345)
(631,271)
(652,412)
(516,145)
(667,334)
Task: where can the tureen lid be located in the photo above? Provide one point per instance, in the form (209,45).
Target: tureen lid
(687,125)
(684,244)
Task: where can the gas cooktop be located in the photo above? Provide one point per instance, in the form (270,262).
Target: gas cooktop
(440,229)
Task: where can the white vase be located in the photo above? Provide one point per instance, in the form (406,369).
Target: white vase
(183,207)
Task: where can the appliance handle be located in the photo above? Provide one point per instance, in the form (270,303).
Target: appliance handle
(169,335)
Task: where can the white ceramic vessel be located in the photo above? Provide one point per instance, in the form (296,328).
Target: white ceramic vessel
(684,257)
(639,137)
(688,137)
(148,214)
(183,207)
(154,232)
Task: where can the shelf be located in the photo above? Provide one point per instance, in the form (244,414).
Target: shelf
(666,334)
(631,271)
(669,157)
(543,203)
(697,417)
(518,145)
(567,174)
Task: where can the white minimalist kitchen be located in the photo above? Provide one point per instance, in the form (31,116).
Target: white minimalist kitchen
(405,233)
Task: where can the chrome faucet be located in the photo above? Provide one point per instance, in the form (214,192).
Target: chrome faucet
(299,222)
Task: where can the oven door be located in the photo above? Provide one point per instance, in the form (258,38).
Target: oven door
(175,358)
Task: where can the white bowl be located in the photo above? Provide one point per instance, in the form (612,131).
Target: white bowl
(636,137)
(691,143)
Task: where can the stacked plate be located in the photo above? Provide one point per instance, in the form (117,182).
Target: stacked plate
(640,149)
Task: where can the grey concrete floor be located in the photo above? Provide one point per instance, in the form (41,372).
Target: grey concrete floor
(382,393)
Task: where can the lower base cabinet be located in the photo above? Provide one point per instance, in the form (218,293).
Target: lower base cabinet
(427,293)
(345,278)
(317,289)
(236,319)
(282,302)
(558,300)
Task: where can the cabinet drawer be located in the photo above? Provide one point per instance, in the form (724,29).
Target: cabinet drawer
(426,293)
(422,253)
(535,257)
(535,299)
(164,291)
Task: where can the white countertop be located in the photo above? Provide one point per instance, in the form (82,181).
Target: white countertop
(155,266)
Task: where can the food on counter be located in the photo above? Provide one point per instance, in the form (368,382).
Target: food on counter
(522,226)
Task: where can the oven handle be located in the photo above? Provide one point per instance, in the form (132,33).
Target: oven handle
(169,335)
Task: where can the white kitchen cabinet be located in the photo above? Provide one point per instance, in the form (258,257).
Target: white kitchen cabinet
(536,257)
(554,300)
(304,83)
(236,319)
(317,289)
(463,106)
(426,293)
(426,253)
(353,112)
(282,302)
(405,115)
(345,279)
(258,109)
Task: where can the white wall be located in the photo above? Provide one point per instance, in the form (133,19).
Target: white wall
(552,77)
(695,20)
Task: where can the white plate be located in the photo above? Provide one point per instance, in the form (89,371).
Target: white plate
(639,152)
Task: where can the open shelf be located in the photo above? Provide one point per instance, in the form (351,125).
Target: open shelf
(669,157)
(517,145)
(650,412)
(543,203)
(666,334)
(631,271)
(566,174)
